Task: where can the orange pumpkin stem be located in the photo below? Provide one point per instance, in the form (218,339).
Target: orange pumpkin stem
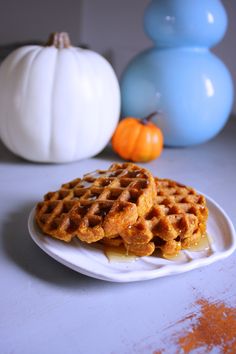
(147,119)
(59,40)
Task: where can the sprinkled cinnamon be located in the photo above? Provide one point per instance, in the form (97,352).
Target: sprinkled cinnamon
(216,327)
(212,326)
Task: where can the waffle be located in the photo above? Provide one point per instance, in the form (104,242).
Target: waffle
(140,250)
(176,220)
(102,203)
(167,248)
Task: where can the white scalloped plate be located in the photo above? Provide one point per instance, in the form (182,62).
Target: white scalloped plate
(93,262)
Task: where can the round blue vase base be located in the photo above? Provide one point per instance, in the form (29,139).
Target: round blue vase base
(190,87)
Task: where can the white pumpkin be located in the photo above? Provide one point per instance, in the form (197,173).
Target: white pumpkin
(58,103)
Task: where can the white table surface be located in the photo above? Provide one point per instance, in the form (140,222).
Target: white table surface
(48,308)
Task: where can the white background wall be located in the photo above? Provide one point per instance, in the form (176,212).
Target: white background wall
(111,27)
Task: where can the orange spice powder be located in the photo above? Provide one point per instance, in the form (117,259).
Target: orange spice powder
(212,326)
(216,327)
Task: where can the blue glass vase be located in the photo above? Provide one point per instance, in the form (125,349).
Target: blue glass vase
(180,77)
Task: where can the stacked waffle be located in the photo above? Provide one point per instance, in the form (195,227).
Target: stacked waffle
(125,206)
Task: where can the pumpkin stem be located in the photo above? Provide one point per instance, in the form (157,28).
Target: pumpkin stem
(59,40)
(148,118)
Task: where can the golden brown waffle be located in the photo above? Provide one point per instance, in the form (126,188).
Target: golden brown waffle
(177,219)
(102,203)
(140,250)
(167,248)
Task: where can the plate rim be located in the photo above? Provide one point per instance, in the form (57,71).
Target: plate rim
(140,275)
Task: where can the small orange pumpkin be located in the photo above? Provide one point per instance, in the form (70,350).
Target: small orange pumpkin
(138,140)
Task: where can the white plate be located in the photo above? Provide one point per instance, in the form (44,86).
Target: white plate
(93,262)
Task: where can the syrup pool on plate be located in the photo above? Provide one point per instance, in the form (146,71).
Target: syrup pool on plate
(204,244)
(118,254)
(176,257)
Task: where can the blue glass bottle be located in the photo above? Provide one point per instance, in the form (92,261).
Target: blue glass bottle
(180,77)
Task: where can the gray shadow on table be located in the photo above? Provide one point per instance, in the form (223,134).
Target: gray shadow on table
(6,156)
(108,154)
(20,248)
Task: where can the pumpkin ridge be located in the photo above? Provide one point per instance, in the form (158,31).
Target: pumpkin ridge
(74,52)
(133,141)
(141,142)
(27,81)
(7,136)
(86,58)
(124,141)
(149,141)
(54,76)
(116,136)
(156,142)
